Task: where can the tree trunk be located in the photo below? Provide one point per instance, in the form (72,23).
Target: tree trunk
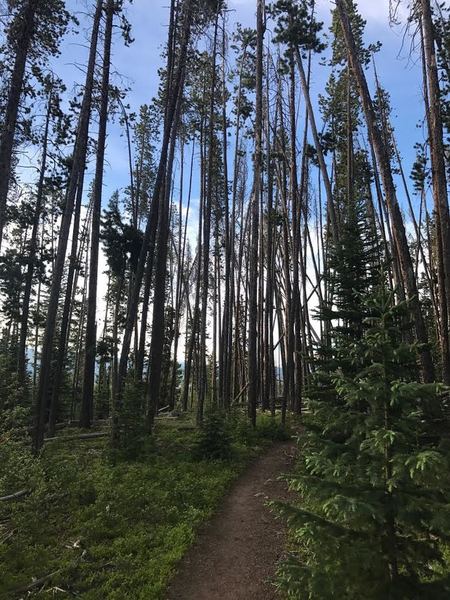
(174,87)
(159,296)
(331,211)
(24,38)
(21,365)
(78,159)
(87,403)
(71,287)
(381,153)
(439,180)
(252,365)
(206,234)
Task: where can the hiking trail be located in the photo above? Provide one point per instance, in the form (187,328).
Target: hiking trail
(236,553)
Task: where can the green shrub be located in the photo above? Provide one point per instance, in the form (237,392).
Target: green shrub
(214,439)
(110,530)
(132,435)
(242,430)
(269,428)
(372,516)
(19,469)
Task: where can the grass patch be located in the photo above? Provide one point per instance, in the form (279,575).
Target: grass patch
(109,530)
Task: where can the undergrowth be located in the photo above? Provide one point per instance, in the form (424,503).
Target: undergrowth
(109,529)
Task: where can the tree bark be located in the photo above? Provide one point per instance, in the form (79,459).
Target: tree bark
(174,86)
(206,235)
(78,159)
(439,181)
(21,364)
(252,363)
(382,157)
(24,39)
(87,402)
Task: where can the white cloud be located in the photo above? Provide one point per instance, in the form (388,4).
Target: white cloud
(375,12)
(248,3)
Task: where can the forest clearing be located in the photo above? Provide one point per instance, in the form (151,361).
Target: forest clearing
(225,299)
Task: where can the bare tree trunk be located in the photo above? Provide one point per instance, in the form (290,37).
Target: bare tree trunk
(36,327)
(21,364)
(78,160)
(389,190)
(71,287)
(24,39)
(207,233)
(252,366)
(331,211)
(195,316)
(268,390)
(225,341)
(159,297)
(182,232)
(174,87)
(87,403)
(439,181)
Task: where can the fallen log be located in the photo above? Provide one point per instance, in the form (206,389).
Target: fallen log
(80,436)
(75,423)
(15,496)
(37,583)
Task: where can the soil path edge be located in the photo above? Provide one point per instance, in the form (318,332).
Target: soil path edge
(236,553)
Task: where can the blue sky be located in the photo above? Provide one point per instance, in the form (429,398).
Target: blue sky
(138,66)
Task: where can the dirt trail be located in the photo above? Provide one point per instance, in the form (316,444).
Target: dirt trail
(236,553)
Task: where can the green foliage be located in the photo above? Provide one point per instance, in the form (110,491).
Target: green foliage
(296,26)
(108,530)
(19,469)
(131,433)
(168,365)
(353,269)
(271,428)
(242,430)
(223,434)
(420,170)
(353,264)
(50,21)
(12,393)
(214,439)
(121,241)
(372,476)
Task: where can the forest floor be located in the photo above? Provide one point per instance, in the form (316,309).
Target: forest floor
(96,525)
(236,553)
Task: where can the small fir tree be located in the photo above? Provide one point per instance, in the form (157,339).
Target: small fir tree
(373,478)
